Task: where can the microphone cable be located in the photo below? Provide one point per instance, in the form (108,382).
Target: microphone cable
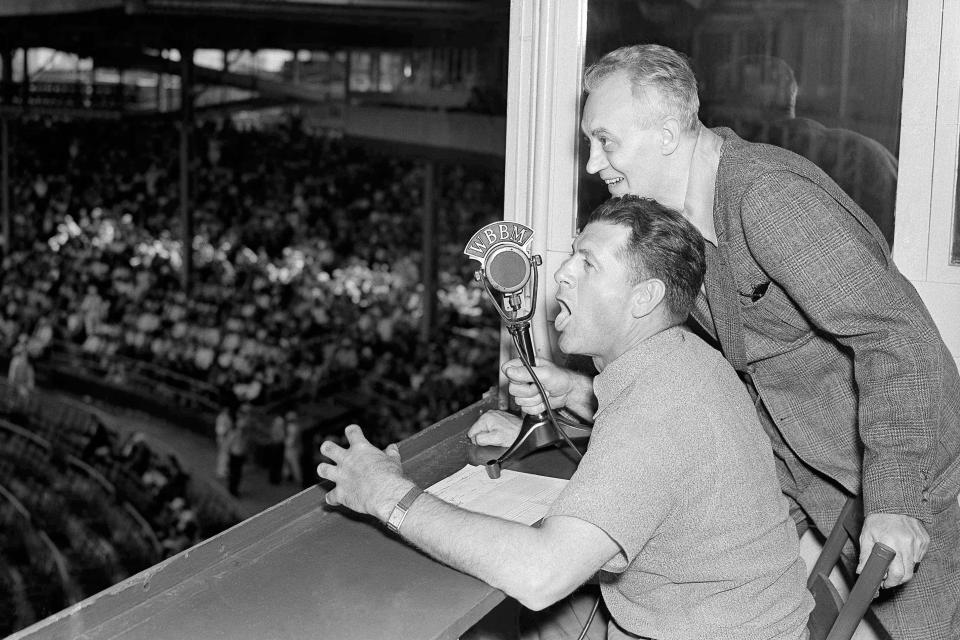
(593,614)
(551,416)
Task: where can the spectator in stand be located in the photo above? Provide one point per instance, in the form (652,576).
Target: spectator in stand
(292,449)
(100,443)
(275,451)
(237,447)
(20,374)
(135,453)
(93,309)
(41,338)
(222,428)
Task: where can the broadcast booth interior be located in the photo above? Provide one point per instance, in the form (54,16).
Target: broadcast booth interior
(883,70)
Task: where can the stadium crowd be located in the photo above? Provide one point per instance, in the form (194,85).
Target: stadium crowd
(306,258)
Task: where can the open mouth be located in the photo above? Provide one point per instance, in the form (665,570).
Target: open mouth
(563,316)
(612,181)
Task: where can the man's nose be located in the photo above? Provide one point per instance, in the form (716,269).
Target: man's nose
(597,159)
(563,276)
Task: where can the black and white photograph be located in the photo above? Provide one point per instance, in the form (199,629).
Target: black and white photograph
(480,319)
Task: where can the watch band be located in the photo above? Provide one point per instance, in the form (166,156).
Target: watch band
(400,510)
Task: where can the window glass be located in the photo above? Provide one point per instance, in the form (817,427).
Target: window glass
(822,78)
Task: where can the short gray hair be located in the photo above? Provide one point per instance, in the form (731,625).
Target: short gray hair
(652,66)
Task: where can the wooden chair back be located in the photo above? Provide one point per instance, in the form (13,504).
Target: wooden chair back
(833,618)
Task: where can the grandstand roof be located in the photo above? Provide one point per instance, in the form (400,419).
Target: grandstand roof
(89,26)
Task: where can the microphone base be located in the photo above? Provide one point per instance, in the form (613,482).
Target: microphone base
(536,432)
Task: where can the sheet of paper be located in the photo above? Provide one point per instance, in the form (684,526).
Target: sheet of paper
(520,497)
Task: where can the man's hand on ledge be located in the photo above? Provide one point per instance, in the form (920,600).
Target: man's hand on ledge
(367,479)
(495,429)
(903,534)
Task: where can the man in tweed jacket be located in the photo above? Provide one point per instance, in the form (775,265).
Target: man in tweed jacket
(852,381)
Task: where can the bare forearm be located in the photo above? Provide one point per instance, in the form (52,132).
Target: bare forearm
(536,566)
(509,556)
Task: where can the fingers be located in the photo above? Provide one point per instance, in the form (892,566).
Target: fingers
(494,428)
(492,439)
(332,498)
(485,439)
(905,535)
(897,573)
(905,564)
(516,372)
(327,471)
(488,422)
(393,451)
(333,451)
(480,427)
(355,435)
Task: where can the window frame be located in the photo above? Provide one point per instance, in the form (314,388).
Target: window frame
(929,143)
(547,45)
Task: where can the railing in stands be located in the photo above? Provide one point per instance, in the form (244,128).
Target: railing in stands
(70,425)
(70,95)
(42,451)
(145,528)
(138,375)
(48,551)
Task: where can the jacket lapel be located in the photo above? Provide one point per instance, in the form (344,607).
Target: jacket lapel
(724,306)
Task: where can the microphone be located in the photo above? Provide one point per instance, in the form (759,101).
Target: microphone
(505,267)
(508,274)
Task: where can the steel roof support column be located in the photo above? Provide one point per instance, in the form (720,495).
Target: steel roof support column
(186,134)
(428,268)
(25,82)
(5,100)
(5,185)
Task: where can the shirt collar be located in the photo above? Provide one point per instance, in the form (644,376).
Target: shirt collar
(702,183)
(636,365)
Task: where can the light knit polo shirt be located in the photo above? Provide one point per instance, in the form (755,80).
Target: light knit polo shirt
(681,475)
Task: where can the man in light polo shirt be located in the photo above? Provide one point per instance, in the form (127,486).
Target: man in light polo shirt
(676,501)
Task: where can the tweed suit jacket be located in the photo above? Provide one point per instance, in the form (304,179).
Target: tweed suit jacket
(804,299)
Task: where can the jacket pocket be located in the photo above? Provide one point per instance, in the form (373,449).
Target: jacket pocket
(768,310)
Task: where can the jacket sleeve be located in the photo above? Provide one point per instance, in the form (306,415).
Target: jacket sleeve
(849,291)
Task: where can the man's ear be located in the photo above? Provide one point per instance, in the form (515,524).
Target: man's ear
(647,296)
(669,135)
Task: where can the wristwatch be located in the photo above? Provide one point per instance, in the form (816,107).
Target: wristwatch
(400,510)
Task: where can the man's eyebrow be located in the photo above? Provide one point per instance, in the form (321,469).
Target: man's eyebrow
(588,253)
(591,132)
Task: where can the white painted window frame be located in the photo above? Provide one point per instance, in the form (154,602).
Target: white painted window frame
(547,39)
(929,143)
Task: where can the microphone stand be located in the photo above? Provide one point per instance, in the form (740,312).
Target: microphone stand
(546,428)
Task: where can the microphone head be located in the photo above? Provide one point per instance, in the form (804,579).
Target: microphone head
(507,268)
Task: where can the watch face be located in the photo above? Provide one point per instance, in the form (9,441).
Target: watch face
(396,518)
(400,511)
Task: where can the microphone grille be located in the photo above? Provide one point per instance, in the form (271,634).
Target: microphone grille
(508,270)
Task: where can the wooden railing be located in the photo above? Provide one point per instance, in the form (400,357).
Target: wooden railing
(138,375)
(97,96)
